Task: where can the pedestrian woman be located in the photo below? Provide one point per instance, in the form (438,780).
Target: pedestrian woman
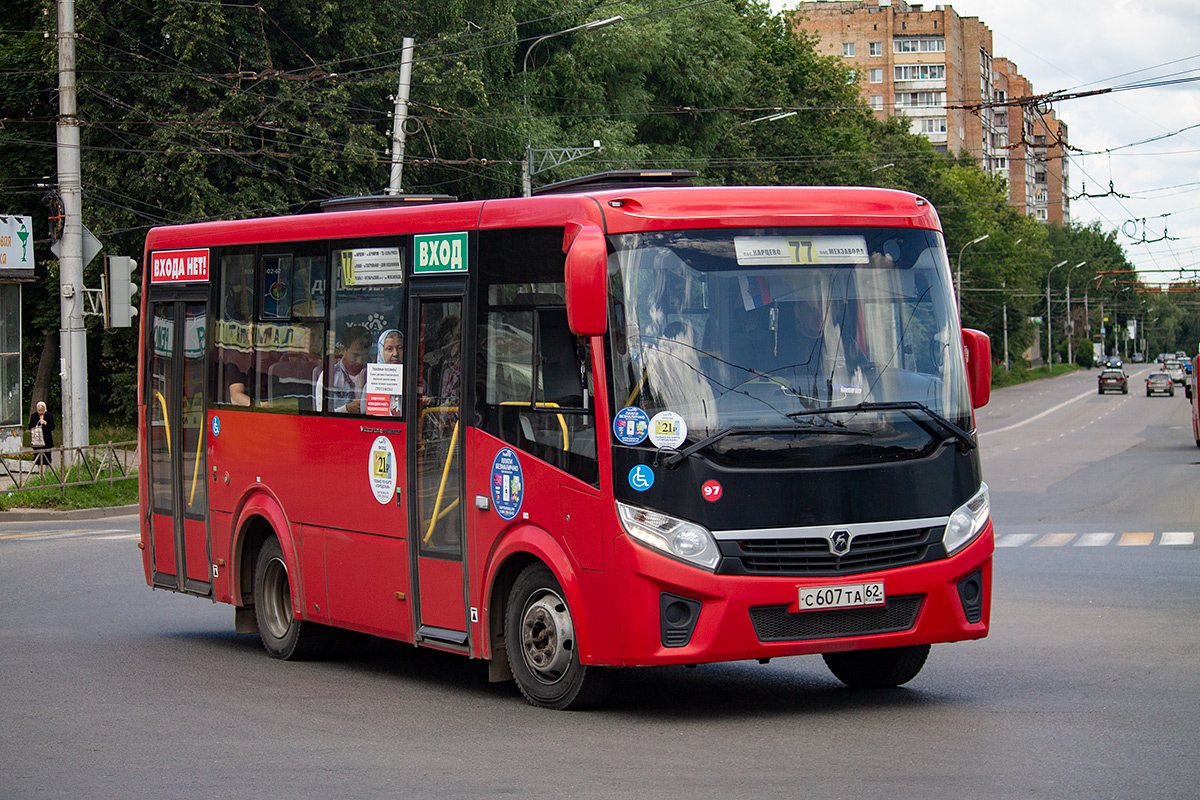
(41,434)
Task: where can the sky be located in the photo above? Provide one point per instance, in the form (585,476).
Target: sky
(1075,46)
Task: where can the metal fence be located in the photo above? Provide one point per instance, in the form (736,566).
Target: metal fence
(60,467)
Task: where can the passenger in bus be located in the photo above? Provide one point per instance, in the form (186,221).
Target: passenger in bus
(349,373)
(390,347)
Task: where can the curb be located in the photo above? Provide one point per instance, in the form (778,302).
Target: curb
(37,514)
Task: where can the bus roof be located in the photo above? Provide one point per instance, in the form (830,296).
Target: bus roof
(618,210)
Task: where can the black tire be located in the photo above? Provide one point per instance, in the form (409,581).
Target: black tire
(282,634)
(540,639)
(877,669)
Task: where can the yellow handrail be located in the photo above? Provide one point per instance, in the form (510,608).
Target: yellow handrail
(196,470)
(162,401)
(433,519)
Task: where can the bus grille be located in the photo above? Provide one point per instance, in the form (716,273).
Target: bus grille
(811,557)
(775,624)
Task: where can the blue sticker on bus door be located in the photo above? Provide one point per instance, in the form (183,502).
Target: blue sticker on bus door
(508,484)
(631,425)
(216,428)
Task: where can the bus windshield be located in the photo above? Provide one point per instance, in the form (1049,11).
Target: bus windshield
(766,340)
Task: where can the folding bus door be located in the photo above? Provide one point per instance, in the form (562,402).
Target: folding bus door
(436,450)
(181,556)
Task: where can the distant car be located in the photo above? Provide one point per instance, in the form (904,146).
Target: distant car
(1181,356)
(1114,362)
(1114,379)
(1159,383)
(1175,370)
(1137,358)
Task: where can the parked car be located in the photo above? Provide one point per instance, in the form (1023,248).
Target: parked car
(1137,358)
(1114,379)
(1174,369)
(1159,383)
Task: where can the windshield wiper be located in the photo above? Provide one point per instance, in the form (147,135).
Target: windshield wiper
(964,439)
(672,460)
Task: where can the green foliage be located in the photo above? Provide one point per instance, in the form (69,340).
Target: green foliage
(194,111)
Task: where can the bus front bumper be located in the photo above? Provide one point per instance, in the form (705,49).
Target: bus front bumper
(672,613)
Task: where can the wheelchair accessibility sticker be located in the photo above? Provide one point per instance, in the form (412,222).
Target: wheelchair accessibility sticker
(641,477)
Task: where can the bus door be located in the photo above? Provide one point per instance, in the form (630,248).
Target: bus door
(435,464)
(181,554)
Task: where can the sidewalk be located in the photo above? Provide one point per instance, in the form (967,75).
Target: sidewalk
(36,514)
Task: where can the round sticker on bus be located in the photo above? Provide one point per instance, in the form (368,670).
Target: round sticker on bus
(641,478)
(631,425)
(711,491)
(382,470)
(508,484)
(667,429)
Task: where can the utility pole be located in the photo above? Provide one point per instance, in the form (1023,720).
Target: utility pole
(400,115)
(72,334)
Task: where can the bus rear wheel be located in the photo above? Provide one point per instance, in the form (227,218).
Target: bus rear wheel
(877,669)
(542,649)
(282,634)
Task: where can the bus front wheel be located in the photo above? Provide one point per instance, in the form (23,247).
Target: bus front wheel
(877,669)
(282,634)
(542,649)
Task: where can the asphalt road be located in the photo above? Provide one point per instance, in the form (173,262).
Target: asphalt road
(1086,688)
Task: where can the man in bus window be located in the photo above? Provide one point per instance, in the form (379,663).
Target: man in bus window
(349,374)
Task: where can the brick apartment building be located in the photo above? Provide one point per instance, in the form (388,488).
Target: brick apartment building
(932,67)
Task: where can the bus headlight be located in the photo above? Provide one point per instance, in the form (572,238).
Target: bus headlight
(677,538)
(967,521)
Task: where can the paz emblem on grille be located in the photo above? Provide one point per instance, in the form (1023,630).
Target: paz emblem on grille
(839,542)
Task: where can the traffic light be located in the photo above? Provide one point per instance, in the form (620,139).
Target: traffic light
(120,291)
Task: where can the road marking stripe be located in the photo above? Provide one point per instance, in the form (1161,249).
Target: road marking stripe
(1054,540)
(1178,538)
(1015,539)
(1135,539)
(1094,539)
(1051,410)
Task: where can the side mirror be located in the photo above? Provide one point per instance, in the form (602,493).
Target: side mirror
(586,278)
(978,349)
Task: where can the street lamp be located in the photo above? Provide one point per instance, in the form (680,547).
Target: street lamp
(1070,322)
(526,164)
(958,287)
(1049,327)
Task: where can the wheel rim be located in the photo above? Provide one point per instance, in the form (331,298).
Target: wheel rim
(277,599)
(547,636)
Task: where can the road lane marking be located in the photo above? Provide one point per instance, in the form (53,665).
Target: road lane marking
(75,534)
(1050,410)
(1054,540)
(1015,539)
(1178,538)
(1135,539)
(1094,539)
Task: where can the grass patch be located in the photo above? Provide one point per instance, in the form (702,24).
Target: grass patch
(102,494)
(1022,374)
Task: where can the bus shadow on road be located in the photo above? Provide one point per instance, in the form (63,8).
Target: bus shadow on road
(792,686)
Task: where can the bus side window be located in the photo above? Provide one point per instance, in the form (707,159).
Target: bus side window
(533,375)
(234,330)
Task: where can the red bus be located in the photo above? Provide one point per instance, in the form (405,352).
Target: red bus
(611,425)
